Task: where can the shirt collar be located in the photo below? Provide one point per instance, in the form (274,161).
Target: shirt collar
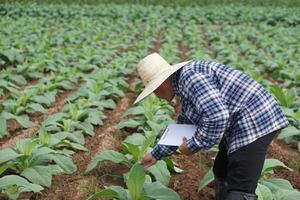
(175,79)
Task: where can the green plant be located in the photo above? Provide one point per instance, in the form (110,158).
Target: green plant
(13,186)
(134,148)
(139,187)
(34,162)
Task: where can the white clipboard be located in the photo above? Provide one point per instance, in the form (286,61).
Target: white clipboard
(174,133)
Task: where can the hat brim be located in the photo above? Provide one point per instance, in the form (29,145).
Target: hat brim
(153,85)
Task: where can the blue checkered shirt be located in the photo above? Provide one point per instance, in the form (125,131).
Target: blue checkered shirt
(222,102)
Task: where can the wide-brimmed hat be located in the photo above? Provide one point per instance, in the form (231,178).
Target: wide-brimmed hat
(154,70)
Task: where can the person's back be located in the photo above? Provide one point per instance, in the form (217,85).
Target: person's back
(253,112)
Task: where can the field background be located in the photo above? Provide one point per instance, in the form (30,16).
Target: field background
(67,73)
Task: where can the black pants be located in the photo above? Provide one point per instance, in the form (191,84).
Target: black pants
(242,168)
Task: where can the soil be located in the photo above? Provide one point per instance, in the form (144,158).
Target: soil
(290,157)
(184,49)
(158,43)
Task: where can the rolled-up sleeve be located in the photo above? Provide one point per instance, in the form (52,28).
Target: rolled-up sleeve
(201,90)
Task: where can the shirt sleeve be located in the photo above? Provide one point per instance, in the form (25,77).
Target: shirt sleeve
(201,90)
(182,119)
(161,151)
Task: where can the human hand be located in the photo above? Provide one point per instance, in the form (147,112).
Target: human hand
(184,148)
(148,160)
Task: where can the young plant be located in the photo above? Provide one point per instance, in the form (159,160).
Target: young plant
(139,186)
(134,148)
(35,162)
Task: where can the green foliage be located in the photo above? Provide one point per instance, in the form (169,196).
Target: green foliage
(137,188)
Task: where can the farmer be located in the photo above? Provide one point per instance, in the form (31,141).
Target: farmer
(228,108)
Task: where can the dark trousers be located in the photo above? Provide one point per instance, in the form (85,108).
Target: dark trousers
(242,168)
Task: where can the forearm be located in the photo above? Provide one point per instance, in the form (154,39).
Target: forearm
(161,151)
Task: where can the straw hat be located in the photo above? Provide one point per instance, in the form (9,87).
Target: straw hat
(154,70)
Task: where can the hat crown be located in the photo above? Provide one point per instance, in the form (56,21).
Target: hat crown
(151,67)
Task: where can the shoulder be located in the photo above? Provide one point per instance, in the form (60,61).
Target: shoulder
(194,68)
(197,66)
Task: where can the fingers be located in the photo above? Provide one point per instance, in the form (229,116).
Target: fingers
(184,140)
(148,160)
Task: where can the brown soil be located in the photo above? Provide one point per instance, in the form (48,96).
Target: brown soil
(79,186)
(158,43)
(288,156)
(184,49)
(186,183)
(14,137)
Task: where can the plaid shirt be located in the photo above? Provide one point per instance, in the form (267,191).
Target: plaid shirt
(222,101)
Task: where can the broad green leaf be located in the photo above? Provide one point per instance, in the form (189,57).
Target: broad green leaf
(108,104)
(10,180)
(133,150)
(136,139)
(26,146)
(42,100)
(207,179)
(38,174)
(65,162)
(136,180)
(54,118)
(76,137)
(87,128)
(158,191)
(95,118)
(109,155)
(112,191)
(38,154)
(282,194)
(138,110)
(277,183)
(160,172)
(8,154)
(20,80)
(3,127)
(263,192)
(130,123)
(289,132)
(271,163)
(24,121)
(37,107)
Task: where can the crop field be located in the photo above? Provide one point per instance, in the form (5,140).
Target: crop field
(68,126)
